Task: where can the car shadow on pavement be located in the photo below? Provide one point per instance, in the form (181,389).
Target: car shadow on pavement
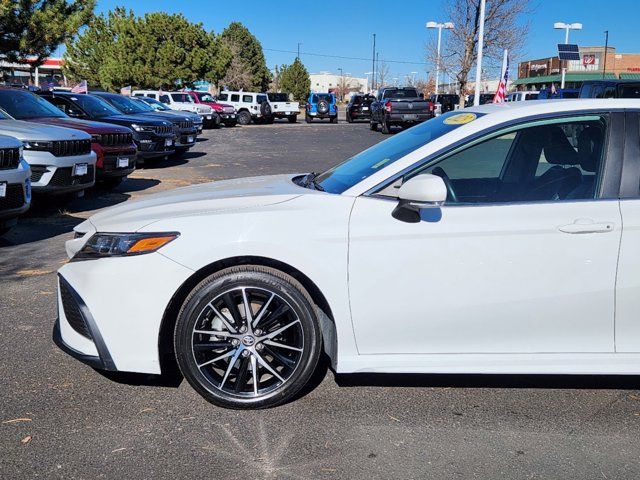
(171,380)
(572,382)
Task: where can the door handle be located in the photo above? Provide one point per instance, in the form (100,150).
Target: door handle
(587,226)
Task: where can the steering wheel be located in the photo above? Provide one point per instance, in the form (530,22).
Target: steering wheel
(451,194)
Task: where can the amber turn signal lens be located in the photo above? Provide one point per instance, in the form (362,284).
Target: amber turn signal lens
(150,244)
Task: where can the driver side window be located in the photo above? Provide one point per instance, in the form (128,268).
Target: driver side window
(545,162)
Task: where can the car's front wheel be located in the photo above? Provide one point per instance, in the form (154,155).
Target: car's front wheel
(248,337)
(244,118)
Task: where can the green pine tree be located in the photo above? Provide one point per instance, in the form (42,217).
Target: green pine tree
(38,27)
(248,51)
(294,79)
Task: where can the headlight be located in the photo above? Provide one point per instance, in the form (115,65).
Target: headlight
(141,128)
(38,145)
(123,244)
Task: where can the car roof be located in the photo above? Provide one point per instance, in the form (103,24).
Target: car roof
(534,107)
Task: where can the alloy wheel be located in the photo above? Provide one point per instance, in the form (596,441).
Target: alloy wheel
(247,342)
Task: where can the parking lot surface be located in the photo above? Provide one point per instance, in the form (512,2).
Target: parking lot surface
(61,419)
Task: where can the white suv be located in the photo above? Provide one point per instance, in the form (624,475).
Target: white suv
(15,186)
(178,101)
(249,106)
(60,158)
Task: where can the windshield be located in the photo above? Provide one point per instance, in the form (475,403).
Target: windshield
(125,104)
(401,93)
(181,97)
(23,105)
(630,91)
(142,104)
(93,106)
(157,105)
(205,97)
(352,171)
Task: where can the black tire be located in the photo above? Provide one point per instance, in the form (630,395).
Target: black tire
(307,118)
(244,117)
(373,126)
(386,129)
(333,119)
(349,119)
(216,380)
(292,118)
(269,120)
(215,121)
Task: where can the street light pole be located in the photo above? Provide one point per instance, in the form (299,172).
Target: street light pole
(476,97)
(606,47)
(439,26)
(566,27)
(341,85)
(373,64)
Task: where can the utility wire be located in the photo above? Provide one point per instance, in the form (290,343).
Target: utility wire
(343,57)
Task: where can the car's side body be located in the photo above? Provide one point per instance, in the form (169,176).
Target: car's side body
(249,106)
(539,286)
(15,184)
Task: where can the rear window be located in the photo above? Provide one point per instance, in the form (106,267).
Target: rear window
(205,97)
(630,91)
(261,98)
(278,97)
(401,93)
(321,96)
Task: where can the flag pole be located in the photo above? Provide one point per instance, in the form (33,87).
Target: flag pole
(476,97)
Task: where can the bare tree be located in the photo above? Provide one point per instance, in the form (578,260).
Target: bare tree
(504,27)
(238,76)
(427,87)
(344,87)
(383,74)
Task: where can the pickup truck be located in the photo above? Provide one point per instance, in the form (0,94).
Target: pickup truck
(282,107)
(399,107)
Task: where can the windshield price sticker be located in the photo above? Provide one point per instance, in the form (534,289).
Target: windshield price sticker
(460,119)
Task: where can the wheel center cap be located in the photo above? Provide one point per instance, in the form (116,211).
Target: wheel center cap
(248,340)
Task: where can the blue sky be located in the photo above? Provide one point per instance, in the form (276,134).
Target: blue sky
(345,28)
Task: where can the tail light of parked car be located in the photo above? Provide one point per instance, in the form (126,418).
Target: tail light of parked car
(432,106)
(308,106)
(387,106)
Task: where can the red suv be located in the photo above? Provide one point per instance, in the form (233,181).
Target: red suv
(224,113)
(113,144)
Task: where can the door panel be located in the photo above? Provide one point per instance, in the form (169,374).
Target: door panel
(496,278)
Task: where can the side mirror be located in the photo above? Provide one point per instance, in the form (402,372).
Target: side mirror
(422,191)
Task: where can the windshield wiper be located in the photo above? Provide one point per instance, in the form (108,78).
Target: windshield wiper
(309,181)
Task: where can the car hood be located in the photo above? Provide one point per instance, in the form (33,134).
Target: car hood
(130,119)
(28,131)
(166,116)
(85,125)
(206,198)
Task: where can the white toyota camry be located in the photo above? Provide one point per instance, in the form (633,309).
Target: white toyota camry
(496,239)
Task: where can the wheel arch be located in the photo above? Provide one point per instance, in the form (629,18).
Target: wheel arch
(166,353)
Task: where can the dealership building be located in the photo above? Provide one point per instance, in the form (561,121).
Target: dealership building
(544,72)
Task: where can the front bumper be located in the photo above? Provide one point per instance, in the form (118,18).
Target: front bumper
(56,175)
(110,310)
(186,139)
(151,145)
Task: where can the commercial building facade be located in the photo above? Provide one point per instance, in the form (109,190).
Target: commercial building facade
(593,65)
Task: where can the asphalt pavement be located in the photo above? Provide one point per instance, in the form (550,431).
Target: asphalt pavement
(61,419)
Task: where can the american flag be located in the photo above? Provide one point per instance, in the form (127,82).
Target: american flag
(80,88)
(501,93)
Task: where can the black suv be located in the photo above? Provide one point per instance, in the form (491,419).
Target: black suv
(359,107)
(484,98)
(610,89)
(447,101)
(153,137)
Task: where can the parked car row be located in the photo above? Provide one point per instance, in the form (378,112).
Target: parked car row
(59,142)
